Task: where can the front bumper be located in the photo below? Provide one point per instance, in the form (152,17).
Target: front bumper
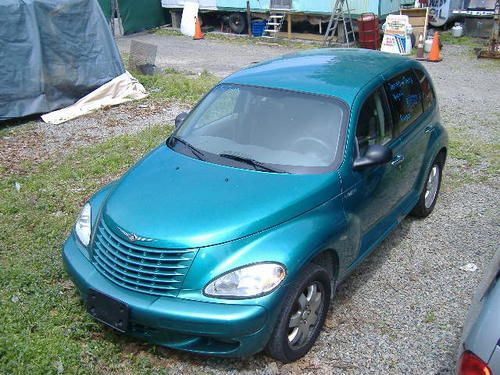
(224,329)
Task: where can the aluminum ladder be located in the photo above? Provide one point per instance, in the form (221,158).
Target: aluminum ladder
(339,15)
(274,24)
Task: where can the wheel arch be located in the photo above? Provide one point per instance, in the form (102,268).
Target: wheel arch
(442,153)
(329,260)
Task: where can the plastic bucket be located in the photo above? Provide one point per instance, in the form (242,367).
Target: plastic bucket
(258,28)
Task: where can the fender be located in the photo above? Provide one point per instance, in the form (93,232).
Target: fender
(438,141)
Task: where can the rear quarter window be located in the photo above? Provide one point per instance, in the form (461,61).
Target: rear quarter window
(428,96)
(405,99)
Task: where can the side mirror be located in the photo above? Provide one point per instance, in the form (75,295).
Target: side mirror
(180,119)
(375,155)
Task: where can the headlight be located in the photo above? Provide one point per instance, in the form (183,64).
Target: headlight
(246,282)
(83,225)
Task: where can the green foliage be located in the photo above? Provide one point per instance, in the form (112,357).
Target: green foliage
(43,326)
(446,38)
(478,161)
(174,85)
(430,317)
(474,152)
(244,39)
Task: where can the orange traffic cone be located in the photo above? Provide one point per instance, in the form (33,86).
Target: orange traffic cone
(434,55)
(420,48)
(197,29)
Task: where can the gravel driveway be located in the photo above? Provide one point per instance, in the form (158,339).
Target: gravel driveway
(216,56)
(402,311)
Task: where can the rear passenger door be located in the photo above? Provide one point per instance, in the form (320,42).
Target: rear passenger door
(410,133)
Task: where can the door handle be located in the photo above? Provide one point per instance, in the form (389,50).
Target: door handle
(429,129)
(398,159)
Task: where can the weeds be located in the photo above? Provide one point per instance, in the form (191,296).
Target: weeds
(430,317)
(446,38)
(478,161)
(171,84)
(43,326)
(244,39)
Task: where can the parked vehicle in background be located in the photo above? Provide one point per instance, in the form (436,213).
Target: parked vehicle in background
(441,12)
(480,345)
(232,236)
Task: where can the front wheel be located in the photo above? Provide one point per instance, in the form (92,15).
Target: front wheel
(237,22)
(430,192)
(302,316)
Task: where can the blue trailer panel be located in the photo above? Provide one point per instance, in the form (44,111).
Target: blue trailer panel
(311,7)
(317,7)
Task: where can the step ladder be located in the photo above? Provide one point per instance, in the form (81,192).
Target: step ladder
(274,24)
(340,16)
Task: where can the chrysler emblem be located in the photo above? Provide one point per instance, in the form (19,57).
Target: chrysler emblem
(133,238)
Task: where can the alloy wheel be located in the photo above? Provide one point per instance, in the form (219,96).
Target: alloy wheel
(305,315)
(431,188)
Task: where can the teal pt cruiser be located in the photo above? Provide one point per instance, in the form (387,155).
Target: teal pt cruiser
(231,236)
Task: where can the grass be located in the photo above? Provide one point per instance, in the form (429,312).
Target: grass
(472,44)
(43,326)
(174,85)
(446,38)
(475,155)
(243,39)
(430,317)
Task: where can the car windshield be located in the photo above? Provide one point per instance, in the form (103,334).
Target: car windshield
(265,129)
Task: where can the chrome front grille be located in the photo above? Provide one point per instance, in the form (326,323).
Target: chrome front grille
(144,269)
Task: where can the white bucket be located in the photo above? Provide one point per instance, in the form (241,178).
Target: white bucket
(427,45)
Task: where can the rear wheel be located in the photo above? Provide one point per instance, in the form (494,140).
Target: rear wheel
(237,22)
(302,316)
(430,192)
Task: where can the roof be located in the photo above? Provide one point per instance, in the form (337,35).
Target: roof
(336,72)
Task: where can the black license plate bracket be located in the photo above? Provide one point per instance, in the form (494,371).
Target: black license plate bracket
(108,310)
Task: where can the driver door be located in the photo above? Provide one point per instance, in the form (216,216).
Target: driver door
(372,194)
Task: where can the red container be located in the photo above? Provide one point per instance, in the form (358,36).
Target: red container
(368,31)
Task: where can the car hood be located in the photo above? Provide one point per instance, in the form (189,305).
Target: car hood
(170,200)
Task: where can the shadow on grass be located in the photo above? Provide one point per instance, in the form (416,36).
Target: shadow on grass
(6,125)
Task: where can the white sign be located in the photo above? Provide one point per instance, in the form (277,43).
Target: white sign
(397,31)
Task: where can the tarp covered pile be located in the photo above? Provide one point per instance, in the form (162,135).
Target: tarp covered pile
(52,53)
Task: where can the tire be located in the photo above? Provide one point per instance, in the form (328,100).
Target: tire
(428,196)
(291,340)
(237,22)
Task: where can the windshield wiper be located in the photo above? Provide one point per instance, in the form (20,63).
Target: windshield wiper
(199,154)
(254,163)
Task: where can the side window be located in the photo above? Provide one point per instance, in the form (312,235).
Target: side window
(405,98)
(428,96)
(374,124)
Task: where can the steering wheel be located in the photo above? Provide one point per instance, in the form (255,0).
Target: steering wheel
(305,143)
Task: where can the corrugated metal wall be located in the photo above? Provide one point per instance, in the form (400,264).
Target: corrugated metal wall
(138,15)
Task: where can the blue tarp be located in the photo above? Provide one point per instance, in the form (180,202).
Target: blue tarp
(52,53)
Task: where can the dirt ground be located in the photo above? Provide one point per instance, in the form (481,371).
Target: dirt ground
(403,310)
